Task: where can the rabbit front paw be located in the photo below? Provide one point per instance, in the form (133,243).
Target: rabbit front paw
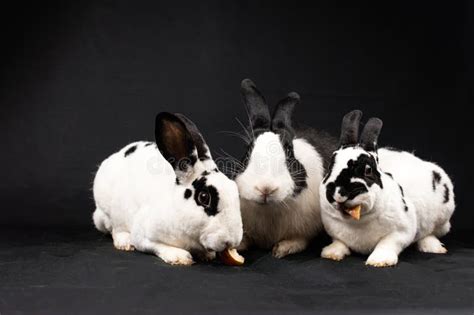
(287,247)
(382,258)
(176,256)
(335,251)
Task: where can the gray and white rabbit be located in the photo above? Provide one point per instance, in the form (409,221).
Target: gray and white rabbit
(168,198)
(279,176)
(403,199)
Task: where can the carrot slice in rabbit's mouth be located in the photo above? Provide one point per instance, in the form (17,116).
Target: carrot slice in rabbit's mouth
(231,257)
(354,212)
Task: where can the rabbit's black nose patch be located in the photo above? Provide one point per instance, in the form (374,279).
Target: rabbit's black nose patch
(342,191)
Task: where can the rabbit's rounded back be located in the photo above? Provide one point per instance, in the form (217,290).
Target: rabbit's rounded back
(362,174)
(189,201)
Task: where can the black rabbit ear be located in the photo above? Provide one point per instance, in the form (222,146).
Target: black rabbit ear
(174,141)
(199,142)
(283,111)
(370,134)
(350,128)
(256,105)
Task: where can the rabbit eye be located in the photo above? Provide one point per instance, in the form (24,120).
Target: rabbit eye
(204,199)
(368,171)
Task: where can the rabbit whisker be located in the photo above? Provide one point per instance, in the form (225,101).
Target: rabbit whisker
(234,159)
(236,134)
(250,122)
(283,202)
(250,136)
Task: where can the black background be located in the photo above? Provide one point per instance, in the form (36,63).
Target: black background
(79,80)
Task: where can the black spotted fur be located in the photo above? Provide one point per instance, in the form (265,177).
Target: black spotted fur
(200,185)
(130,150)
(355,169)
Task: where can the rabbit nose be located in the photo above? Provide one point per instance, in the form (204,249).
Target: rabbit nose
(266,191)
(340,199)
(340,196)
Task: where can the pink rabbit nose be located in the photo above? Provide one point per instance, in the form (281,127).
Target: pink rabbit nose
(266,191)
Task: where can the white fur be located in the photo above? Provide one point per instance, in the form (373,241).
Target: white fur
(140,204)
(285,223)
(385,228)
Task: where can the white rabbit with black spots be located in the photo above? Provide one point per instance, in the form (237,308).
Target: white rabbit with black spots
(168,197)
(402,198)
(279,176)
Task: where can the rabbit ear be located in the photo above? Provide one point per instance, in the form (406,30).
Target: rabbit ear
(283,111)
(199,142)
(174,141)
(256,105)
(370,134)
(350,128)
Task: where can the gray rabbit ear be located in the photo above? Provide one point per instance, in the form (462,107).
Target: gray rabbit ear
(201,145)
(370,134)
(350,128)
(283,111)
(256,105)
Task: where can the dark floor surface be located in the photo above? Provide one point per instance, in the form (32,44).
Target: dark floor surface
(76,272)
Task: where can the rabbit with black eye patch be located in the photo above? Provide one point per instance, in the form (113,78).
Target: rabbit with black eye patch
(168,197)
(278,177)
(401,198)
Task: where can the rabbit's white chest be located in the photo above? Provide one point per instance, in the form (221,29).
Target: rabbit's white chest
(360,236)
